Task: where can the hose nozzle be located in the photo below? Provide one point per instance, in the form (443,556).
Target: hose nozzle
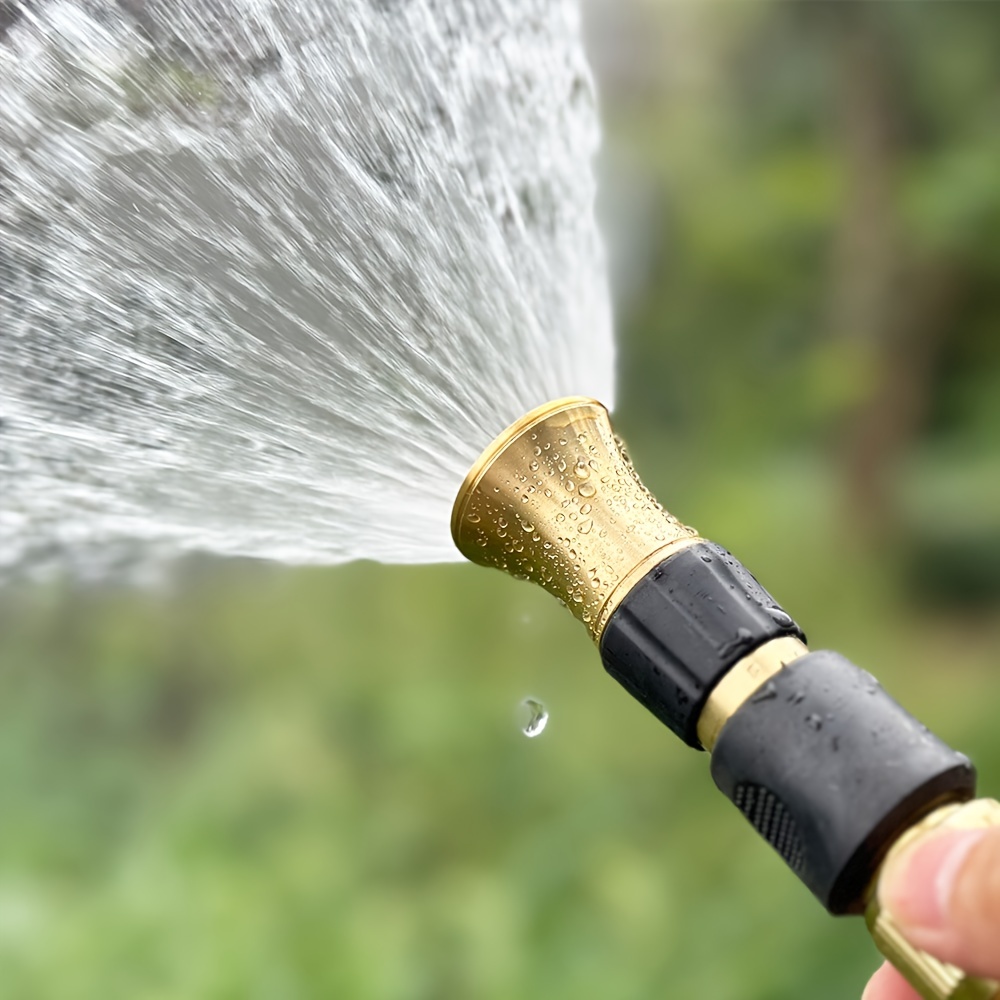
(824,764)
(555,500)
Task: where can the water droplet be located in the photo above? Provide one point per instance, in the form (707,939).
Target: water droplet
(536,715)
(537,451)
(473,519)
(587,489)
(781,617)
(706,559)
(586,526)
(527,527)
(767,692)
(582,470)
(742,638)
(586,509)
(533,465)
(813,721)
(570,486)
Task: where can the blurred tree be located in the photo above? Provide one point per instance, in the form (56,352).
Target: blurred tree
(820,181)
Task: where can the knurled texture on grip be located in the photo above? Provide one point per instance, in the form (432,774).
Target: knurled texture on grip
(769,817)
(831,771)
(682,626)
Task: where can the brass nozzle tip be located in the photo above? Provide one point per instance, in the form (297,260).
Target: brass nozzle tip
(554,499)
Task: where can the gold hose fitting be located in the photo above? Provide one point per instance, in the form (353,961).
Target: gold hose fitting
(555,500)
(931,978)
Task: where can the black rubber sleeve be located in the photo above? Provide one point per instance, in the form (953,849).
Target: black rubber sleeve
(680,629)
(830,770)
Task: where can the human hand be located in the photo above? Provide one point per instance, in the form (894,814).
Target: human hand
(944,894)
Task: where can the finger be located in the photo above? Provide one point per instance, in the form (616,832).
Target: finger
(888,984)
(944,893)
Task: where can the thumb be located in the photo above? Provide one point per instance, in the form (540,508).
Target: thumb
(944,893)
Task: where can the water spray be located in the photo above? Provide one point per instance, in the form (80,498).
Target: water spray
(832,772)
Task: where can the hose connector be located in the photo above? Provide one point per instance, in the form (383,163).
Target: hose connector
(933,979)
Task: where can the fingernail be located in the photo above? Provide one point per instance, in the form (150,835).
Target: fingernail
(917,886)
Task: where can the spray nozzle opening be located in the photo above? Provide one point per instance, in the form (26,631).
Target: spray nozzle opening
(555,500)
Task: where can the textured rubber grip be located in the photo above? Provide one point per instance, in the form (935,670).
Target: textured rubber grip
(682,626)
(830,770)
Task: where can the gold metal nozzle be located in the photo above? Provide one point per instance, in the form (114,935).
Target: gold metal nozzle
(554,499)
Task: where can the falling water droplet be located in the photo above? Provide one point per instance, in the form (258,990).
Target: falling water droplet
(537,716)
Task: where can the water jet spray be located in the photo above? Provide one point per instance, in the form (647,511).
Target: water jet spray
(832,772)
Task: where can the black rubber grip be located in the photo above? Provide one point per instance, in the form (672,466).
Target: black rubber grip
(680,629)
(830,770)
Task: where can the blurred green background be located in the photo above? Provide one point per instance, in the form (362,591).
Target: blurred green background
(271,783)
